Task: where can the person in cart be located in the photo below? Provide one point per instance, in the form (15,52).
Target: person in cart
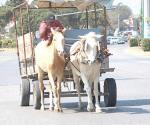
(45,28)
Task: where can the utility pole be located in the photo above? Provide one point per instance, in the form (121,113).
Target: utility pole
(118,22)
(142,18)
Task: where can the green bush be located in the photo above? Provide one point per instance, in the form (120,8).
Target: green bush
(0,43)
(4,43)
(146,44)
(133,42)
(7,43)
(13,45)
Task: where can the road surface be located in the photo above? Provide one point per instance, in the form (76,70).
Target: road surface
(133,95)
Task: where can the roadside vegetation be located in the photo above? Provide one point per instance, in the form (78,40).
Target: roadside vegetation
(7,43)
(144,43)
(7,39)
(133,42)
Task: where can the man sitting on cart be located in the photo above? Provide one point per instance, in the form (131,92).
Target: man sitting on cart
(45,28)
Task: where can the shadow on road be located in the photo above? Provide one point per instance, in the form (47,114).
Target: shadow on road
(74,106)
(125,106)
(137,106)
(137,102)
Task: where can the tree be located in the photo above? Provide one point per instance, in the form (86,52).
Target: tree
(35,15)
(6,13)
(13,3)
(121,13)
(5,16)
(124,11)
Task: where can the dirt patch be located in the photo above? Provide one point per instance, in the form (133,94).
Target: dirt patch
(138,51)
(8,49)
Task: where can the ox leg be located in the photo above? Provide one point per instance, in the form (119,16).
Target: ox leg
(41,86)
(54,90)
(77,85)
(88,86)
(97,105)
(58,107)
(51,106)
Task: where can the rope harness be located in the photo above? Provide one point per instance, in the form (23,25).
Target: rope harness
(81,56)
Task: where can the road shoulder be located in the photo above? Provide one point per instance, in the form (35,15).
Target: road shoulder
(138,51)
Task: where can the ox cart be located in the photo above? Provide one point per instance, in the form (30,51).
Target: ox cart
(25,50)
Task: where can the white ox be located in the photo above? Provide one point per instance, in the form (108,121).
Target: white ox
(84,64)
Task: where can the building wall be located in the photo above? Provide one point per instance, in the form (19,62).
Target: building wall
(148,8)
(146,14)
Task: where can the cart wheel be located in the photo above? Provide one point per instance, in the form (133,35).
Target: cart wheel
(99,97)
(36,95)
(25,92)
(110,92)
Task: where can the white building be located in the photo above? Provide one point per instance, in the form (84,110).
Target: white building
(146,18)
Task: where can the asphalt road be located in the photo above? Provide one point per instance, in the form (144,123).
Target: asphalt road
(133,95)
(9,71)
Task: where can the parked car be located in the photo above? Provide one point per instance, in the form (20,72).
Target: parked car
(132,33)
(121,41)
(115,40)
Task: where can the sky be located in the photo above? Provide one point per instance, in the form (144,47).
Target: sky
(133,4)
(2,2)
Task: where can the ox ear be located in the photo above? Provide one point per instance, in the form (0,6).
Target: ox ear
(98,36)
(82,37)
(63,30)
(52,30)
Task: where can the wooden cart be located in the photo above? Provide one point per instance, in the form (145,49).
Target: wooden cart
(25,50)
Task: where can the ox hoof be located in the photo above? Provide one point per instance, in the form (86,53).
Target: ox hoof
(90,109)
(80,107)
(98,110)
(51,108)
(58,110)
(42,108)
